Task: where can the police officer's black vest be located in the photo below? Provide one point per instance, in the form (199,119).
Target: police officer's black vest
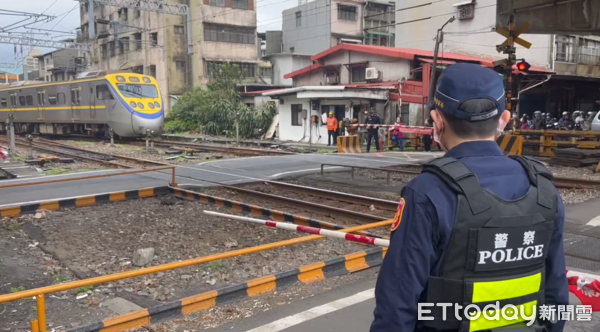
(497,248)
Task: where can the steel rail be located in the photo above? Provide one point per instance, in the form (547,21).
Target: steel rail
(315,207)
(339,196)
(232,150)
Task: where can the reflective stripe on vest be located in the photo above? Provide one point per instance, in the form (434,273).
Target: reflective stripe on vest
(486,293)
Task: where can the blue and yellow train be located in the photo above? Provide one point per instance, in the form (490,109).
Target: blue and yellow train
(91,105)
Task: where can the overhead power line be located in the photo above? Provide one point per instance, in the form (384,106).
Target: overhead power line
(20,40)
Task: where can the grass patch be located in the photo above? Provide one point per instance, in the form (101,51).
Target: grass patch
(84,289)
(325,151)
(59,279)
(82,143)
(14,226)
(17,289)
(215,265)
(56,171)
(18,158)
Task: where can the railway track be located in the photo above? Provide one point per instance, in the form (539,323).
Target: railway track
(224,149)
(559,182)
(334,200)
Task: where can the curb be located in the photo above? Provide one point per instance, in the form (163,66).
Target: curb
(15,211)
(306,275)
(259,211)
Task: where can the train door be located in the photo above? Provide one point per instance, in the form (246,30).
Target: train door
(75,103)
(41,96)
(92,102)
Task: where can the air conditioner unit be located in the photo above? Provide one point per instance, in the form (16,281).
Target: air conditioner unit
(372,74)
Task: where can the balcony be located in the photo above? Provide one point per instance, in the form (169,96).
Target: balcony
(583,61)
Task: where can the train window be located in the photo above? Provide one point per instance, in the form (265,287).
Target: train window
(61,98)
(3,102)
(22,101)
(29,100)
(120,79)
(134,79)
(52,99)
(75,97)
(103,93)
(146,80)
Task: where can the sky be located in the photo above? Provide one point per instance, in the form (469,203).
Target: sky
(67,12)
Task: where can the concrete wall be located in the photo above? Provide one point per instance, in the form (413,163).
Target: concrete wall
(287,132)
(477,38)
(346,27)
(220,50)
(274,42)
(314,35)
(284,64)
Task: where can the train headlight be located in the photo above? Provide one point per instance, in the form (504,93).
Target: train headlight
(141,106)
(156,104)
(132,104)
(151,106)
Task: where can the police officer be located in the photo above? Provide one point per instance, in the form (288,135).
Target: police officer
(373,119)
(473,216)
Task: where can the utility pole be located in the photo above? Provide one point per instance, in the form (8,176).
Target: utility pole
(439,38)
(510,51)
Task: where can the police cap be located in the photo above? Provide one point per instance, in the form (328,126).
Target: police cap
(464,81)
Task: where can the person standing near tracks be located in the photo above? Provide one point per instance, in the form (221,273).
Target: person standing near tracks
(475,228)
(373,119)
(332,127)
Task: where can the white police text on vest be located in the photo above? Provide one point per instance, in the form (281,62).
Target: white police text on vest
(510,255)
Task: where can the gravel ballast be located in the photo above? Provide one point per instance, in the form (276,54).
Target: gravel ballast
(101,240)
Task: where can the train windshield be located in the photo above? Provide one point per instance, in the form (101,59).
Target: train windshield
(138,90)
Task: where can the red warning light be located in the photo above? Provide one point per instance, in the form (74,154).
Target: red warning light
(523,66)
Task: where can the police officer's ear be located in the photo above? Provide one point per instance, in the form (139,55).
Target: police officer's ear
(437,118)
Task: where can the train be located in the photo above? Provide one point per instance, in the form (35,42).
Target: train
(92,104)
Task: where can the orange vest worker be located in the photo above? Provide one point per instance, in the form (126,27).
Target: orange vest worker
(332,123)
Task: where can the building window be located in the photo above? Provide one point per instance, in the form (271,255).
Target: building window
(358,74)
(138,41)
(123,14)
(124,45)
(565,49)
(466,12)
(247,69)
(240,4)
(154,38)
(103,51)
(346,13)
(296,114)
(136,13)
(103,93)
(179,30)
(298,19)
(228,34)
(180,64)
(152,71)
(265,72)
(217,3)
(111,48)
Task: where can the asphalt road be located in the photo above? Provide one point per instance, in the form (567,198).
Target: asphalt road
(229,171)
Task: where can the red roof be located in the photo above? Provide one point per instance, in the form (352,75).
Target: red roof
(371,85)
(398,53)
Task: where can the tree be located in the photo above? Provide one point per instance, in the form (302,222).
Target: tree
(217,105)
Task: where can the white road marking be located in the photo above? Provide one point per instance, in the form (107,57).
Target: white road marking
(594,222)
(64,175)
(315,312)
(305,170)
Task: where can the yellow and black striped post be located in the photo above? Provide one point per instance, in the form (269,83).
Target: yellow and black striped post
(348,144)
(511,145)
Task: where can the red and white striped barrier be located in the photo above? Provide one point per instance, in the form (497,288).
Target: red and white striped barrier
(306,229)
(402,129)
(586,287)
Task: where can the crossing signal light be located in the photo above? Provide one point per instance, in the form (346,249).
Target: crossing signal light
(523,66)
